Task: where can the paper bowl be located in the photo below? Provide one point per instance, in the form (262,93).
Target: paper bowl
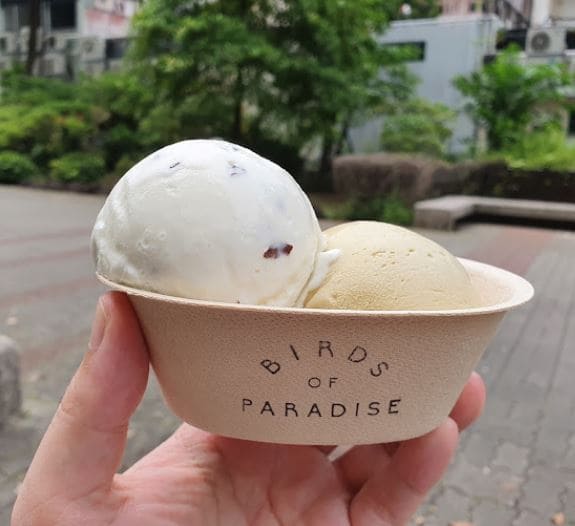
(310,376)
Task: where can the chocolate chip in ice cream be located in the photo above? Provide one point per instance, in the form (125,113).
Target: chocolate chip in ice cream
(236,170)
(271,253)
(274,252)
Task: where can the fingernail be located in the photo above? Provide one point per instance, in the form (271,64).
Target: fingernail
(98,327)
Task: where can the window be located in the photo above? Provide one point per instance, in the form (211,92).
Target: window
(414,51)
(571,127)
(16,16)
(570,39)
(510,37)
(116,47)
(63,14)
(488,59)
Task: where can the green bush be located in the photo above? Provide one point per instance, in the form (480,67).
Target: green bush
(46,131)
(118,142)
(110,180)
(544,149)
(77,167)
(418,126)
(53,121)
(15,167)
(389,209)
(124,164)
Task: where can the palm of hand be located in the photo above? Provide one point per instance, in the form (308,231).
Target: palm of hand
(198,478)
(195,478)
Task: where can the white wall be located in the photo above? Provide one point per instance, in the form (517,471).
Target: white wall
(563,9)
(454,46)
(540,12)
(104,18)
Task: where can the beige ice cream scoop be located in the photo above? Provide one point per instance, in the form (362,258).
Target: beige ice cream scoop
(386,267)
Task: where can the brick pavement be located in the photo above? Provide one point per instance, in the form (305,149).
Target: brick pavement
(515,467)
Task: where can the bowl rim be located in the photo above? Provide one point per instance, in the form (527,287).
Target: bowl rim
(522,292)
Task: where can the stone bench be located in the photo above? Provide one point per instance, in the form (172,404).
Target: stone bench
(443,213)
(10,396)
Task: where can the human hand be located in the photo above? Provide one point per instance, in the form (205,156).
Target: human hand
(196,478)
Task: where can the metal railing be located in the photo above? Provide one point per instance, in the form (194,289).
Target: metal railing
(508,13)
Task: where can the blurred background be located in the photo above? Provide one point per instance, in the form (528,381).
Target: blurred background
(455,118)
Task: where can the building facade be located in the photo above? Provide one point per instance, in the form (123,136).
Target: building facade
(449,46)
(468,34)
(74,36)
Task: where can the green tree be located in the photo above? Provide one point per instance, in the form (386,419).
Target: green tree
(507,96)
(418,126)
(262,72)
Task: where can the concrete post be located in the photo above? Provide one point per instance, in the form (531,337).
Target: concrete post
(10,394)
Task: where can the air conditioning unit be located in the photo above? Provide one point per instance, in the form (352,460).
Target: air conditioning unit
(570,61)
(5,64)
(52,65)
(549,60)
(546,41)
(24,38)
(8,44)
(92,48)
(73,46)
(56,42)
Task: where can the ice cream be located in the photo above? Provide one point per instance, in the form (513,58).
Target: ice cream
(210,220)
(386,267)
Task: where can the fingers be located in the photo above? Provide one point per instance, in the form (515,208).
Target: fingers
(396,490)
(359,464)
(470,403)
(84,443)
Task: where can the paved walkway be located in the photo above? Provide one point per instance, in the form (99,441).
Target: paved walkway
(516,467)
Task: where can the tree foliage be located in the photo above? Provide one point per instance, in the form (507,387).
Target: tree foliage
(262,72)
(507,97)
(418,126)
(95,118)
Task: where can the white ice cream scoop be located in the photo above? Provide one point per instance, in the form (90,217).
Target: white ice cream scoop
(210,220)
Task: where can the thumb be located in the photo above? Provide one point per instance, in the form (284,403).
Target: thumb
(84,444)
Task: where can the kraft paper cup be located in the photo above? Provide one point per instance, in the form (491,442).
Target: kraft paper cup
(310,376)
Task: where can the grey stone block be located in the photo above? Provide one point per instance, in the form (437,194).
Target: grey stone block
(453,507)
(489,513)
(569,503)
(509,432)
(5,514)
(443,212)
(542,491)
(499,485)
(530,518)
(512,457)
(480,449)
(10,394)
